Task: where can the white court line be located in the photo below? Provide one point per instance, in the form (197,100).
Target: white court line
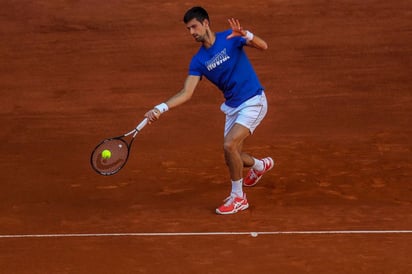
(180,234)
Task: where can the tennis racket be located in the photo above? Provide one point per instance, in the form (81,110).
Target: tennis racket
(119,149)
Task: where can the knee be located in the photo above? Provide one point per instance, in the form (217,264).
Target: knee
(229,146)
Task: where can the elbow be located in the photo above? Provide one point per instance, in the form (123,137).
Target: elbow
(188,97)
(264,46)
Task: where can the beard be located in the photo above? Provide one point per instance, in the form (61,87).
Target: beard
(199,38)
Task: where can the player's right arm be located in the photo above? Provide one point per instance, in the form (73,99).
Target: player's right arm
(179,98)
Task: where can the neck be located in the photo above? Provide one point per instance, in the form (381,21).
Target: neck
(209,39)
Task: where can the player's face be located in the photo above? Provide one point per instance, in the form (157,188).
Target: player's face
(197,29)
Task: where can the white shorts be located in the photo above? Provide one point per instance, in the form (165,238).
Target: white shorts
(249,114)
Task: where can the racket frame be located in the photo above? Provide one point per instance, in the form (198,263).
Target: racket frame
(132,133)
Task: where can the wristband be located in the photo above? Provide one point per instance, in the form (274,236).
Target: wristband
(248,36)
(162,107)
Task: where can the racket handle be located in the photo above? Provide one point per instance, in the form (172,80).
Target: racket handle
(142,124)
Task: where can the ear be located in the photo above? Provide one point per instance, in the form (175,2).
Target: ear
(206,23)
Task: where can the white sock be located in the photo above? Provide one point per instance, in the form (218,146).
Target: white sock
(258,165)
(237,188)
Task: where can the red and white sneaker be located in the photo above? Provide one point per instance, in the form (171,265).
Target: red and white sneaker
(253,176)
(233,204)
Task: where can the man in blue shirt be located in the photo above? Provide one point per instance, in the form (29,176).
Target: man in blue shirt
(222,60)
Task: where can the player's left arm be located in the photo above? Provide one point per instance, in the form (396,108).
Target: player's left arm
(252,40)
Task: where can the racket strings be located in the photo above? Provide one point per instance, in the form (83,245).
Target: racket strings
(119,154)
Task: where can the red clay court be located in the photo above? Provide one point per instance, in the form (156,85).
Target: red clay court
(338,79)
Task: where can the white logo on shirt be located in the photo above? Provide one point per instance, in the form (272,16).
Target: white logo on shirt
(217,60)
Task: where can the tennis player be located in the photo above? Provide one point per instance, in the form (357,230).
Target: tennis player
(222,60)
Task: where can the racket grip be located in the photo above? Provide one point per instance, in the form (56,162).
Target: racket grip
(142,124)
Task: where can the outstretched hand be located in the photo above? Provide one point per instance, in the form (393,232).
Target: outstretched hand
(237,29)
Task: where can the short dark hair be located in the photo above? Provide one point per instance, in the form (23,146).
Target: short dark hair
(196,12)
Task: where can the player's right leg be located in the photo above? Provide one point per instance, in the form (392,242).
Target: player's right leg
(240,123)
(232,146)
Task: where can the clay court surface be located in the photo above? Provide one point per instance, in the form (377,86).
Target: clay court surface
(338,79)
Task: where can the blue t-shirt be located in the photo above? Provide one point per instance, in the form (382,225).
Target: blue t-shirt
(226,65)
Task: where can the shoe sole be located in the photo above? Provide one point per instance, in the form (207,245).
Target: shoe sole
(260,177)
(234,211)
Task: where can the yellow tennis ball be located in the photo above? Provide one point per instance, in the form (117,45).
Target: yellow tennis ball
(106,154)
